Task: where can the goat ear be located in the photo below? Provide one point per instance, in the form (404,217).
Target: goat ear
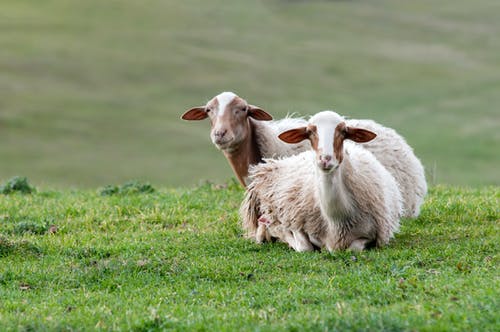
(258,113)
(196,113)
(293,136)
(359,135)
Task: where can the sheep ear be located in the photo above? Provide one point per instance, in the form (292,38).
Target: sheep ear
(258,113)
(293,136)
(359,135)
(196,113)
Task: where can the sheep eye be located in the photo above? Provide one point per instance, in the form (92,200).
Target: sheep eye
(311,130)
(208,110)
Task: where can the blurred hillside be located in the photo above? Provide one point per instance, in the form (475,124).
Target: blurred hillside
(91,91)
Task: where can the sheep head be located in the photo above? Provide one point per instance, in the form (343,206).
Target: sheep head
(228,114)
(327,132)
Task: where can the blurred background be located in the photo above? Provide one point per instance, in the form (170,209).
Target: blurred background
(91,92)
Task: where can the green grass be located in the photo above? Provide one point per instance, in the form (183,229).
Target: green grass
(91,91)
(145,260)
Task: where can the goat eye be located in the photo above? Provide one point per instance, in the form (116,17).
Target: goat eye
(208,110)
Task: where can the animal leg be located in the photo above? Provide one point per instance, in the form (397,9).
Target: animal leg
(287,236)
(262,234)
(316,242)
(361,244)
(302,242)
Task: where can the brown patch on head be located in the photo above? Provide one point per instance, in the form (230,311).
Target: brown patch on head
(338,141)
(313,136)
(234,113)
(237,103)
(342,132)
(255,112)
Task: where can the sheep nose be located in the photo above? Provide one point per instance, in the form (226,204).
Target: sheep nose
(325,162)
(325,157)
(220,133)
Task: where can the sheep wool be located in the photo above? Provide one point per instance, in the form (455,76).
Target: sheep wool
(338,196)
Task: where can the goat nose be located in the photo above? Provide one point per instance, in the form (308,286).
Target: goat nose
(220,133)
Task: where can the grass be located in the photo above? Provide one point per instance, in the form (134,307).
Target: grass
(145,260)
(91,91)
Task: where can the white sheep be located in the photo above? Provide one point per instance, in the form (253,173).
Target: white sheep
(280,202)
(244,132)
(339,196)
(394,153)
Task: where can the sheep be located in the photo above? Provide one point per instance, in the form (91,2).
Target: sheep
(394,153)
(338,196)
(280,203)
(244,132)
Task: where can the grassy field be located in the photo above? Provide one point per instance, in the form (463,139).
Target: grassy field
(126,260)
(91,91)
